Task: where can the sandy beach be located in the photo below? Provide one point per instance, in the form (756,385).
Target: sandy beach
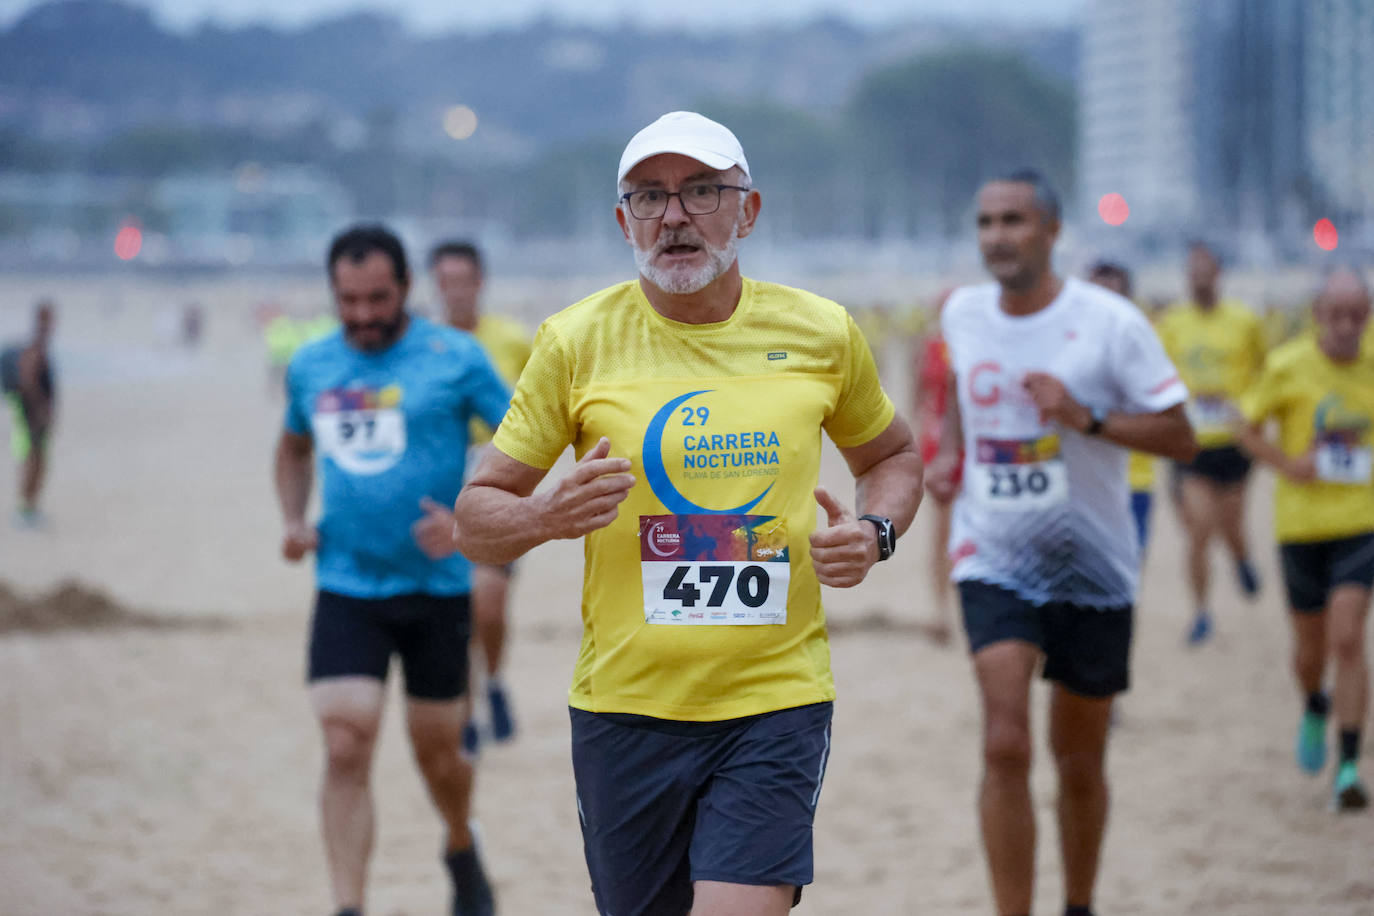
(158,755)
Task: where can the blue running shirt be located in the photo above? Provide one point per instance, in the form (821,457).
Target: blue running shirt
(390,428)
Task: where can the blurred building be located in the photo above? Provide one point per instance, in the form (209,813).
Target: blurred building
(1339,100)
(278,215)
(1244,118)
(1136,139)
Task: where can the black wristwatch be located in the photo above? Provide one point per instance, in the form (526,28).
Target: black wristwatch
(887,535)
(1099,418)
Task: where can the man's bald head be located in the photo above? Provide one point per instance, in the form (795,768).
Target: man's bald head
(1345,284)
(1341,312)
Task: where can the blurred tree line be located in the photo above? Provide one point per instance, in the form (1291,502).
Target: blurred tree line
(899,155)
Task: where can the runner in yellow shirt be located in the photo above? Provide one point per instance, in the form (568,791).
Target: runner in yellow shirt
(1320,391)
(1140,467)
(459,272)
(695,400)
(1218,346)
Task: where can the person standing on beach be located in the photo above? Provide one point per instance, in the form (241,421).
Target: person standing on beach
(26,379)
(1055,379)
(694,399)
(1218,345)
(383,407)
(459,272)
(1320,390)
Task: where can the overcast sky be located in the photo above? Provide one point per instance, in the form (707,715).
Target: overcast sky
(448,14)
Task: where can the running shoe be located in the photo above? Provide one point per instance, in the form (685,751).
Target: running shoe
(472,740)
(1201,630)
(1248,578)
(502,723)
(472,895)
(1312,742)
(1348,793)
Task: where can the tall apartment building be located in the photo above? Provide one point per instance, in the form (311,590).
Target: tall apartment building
(1339,98)
(1230,117)
(1136,137)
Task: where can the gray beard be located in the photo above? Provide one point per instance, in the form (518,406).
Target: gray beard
(684,283)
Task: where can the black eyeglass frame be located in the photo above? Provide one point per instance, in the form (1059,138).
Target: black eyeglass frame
(625,199)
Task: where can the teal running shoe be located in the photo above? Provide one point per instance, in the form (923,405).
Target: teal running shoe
(1312,742)
(1348,793)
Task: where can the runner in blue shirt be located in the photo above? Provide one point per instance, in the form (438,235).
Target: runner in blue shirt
(382,408)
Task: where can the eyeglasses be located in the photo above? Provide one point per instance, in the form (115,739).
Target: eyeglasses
(697,200)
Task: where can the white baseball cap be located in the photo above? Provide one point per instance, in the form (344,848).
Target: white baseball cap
(688,134)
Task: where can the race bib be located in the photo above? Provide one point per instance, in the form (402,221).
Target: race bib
(1341,462)
(1211,414)
(714,570)
(1019,474)
(362,430)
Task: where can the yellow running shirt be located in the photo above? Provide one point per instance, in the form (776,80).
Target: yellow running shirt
(1328,408)
(1140,472)
(1218,354)
(508,346)
(699,602)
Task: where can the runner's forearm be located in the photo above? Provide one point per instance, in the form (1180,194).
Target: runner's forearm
(1167,434)
(891,488)
(1252,440)
(496,526)
(294,474)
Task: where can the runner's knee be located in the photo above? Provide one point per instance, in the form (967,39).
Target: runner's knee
(348,745)
(1007,747)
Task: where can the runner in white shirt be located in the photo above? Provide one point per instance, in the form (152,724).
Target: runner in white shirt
(1055,379)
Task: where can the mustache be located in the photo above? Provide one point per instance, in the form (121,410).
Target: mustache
(673,237)
(355,326)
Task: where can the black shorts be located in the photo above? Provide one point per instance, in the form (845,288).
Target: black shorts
(1224,465)
(1311,570)
(356,637)
(1087,649)
(666,803)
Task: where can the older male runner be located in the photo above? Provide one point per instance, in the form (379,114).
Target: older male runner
(695,400)
(1320,391)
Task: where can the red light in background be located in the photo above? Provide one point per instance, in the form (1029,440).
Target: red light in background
(1325,235)
(128,243)
(1113,209)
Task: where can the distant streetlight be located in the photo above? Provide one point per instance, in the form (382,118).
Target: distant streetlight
(460,122)
(1325,235)
(1113,209)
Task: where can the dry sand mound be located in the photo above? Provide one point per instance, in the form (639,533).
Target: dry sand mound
(73,606)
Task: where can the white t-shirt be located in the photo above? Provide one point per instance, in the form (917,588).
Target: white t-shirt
(1045,511)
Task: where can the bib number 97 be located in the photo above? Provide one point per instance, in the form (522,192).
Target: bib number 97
(751,585)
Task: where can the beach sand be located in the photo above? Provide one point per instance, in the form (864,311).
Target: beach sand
(158,755)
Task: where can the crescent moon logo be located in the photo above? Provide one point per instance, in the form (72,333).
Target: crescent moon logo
(657,474)
(652,541)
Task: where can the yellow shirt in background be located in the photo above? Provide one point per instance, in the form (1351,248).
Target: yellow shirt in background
(1218,354)
(507,344)
(1140,472)
(1327,408)
(699,602)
